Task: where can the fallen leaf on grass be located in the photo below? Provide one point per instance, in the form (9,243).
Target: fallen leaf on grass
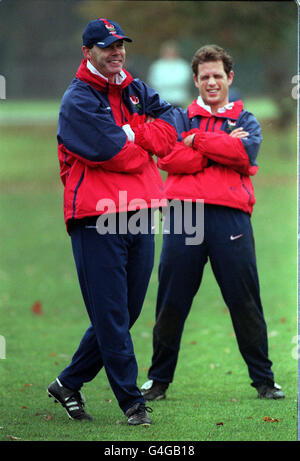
(272,334)
(13,437)
(212,366)
(145,334)
(64,356)
(220,424)
(268,419)
(36,308)
(46,417)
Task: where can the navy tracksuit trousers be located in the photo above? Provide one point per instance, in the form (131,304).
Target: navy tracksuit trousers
(113,271)
(229,245)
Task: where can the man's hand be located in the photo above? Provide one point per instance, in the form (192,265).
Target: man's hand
(188,141)
(239,133)
(149,119)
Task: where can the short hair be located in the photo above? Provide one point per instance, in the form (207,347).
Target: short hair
(209,53)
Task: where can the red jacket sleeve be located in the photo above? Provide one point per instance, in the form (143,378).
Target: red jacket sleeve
(226,150)
(182,160)
(237,153)
(157,137)
(131,159)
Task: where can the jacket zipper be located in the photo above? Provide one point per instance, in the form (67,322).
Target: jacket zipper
(124,119)
(248,192)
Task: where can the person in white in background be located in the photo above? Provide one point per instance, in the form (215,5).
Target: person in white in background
(170,75)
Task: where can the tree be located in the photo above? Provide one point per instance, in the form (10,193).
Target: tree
(260,34)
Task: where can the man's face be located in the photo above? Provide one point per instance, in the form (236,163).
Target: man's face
(108,61)
(213,84)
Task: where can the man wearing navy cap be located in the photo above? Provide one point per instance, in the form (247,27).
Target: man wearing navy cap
(110,125)
(100,51)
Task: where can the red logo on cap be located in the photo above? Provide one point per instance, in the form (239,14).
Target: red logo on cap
(111,28)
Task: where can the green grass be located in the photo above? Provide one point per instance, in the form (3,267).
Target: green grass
(28,111)
(211,383)
(263,108)
(41,111)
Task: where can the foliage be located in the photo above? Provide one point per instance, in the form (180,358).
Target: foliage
(236,25)
(257,34)
(41,40)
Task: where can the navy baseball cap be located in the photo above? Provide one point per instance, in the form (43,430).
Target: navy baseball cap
(102,32)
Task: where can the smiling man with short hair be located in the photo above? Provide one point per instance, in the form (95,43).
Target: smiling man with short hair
(218,142)
(109,61)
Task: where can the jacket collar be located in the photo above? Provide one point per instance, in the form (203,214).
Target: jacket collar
(88,74)
(231,110)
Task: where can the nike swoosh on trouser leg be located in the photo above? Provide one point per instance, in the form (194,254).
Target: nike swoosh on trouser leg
(234,237)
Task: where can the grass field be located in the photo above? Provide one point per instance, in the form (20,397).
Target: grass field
(43,317)
(39,112)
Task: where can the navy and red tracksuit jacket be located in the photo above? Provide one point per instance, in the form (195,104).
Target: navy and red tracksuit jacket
(218,167)
(97,160)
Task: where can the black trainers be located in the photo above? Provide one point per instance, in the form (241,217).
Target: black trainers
(266,391)
(154,390)
(72,401)
(137,415)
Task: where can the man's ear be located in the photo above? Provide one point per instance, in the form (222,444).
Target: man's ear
(86,52)
(195,81)
(230,77)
